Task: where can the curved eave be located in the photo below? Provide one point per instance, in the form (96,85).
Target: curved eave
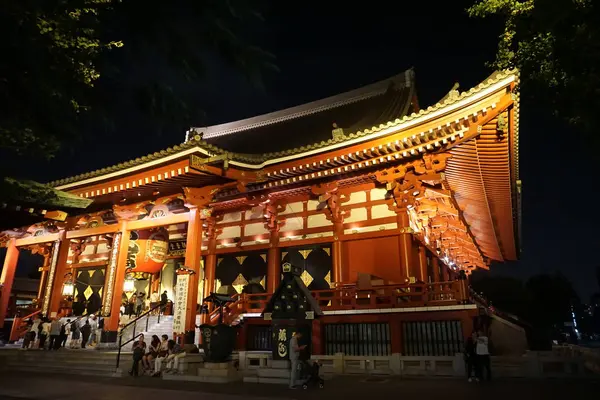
(479,175)
(495,83)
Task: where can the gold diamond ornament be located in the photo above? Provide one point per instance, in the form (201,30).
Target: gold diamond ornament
(306,278)
(239,283)
(88,292)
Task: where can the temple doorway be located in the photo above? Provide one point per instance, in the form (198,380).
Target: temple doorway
(88,290)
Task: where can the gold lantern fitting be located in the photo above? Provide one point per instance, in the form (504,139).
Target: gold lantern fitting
(68,288)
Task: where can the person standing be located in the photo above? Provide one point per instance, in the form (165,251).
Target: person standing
(44,332)
(470,357)
(65,330)
(139,304)
(154,301)
(55,328)
(93,330)
(483,356)
(75,334)
(86,331)
(294,352)
(164,299)
(29,340)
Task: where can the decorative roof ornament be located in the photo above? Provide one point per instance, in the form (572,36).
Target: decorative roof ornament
(337,133)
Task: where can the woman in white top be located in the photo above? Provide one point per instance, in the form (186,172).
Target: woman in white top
(45,332)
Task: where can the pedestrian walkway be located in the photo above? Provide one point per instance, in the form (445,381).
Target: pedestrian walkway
(57,387)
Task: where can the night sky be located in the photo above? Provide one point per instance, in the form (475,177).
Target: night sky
(324,48)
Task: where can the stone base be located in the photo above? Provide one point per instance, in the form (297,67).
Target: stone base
(109,337)
(219,373)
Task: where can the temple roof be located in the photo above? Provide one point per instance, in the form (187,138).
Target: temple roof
(313,122)
(26,202)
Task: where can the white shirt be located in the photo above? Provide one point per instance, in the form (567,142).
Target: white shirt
(154,298)
(35,327)
(482,346)
(46,328)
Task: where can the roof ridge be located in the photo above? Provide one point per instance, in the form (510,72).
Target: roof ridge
(404,79)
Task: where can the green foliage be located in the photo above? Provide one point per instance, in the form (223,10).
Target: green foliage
(556,46)
(50,49)
(63,60)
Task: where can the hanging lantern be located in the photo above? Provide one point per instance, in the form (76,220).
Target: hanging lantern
(148,250)
(68,287)
(129,284)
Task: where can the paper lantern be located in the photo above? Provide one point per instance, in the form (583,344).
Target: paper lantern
(148,250)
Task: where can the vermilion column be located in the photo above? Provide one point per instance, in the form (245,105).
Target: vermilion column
(405,242)
(210,267)
(445,277)
(59,274)
(435,264)
(111,323)
(192,261)
(273,263)
(7,278)
(337,262)
(422,264)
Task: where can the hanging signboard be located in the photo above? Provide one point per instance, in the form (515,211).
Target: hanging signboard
(181,297)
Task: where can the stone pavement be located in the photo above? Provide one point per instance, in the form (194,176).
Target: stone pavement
(63,387)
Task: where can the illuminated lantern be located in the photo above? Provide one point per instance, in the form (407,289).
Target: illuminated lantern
(129,284)
(148,250)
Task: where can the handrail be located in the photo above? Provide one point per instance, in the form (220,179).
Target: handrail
(16,326)
(144,314)
(134,323)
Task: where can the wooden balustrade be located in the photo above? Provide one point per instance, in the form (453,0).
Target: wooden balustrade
(348,297)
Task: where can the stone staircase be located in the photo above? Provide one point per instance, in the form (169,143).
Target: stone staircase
(73,362)
(277,372)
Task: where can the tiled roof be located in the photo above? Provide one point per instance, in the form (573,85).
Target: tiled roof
(240,128)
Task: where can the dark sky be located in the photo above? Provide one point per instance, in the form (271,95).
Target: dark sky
(324,48)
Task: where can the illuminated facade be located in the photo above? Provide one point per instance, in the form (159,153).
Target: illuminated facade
(382,203)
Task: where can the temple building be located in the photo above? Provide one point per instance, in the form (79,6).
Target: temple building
(385,206)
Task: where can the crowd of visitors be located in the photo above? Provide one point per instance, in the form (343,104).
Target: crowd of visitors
(53,334)
(139,303)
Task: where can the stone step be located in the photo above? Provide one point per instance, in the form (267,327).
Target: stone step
(273,373)
(258,379)
(74,361)
(87,370)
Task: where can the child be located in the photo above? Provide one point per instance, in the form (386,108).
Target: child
(138,354)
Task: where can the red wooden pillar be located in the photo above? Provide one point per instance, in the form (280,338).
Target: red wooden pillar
(317,338)
(62,268)
(337,262)
(444,276)
(111,323)
(273,263)
(435,264)
(422,264)
(405,242)
(7,278)
(192,261)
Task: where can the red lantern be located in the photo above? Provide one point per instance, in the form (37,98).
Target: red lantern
(148,250)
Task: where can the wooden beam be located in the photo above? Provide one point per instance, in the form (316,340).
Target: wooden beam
(100,230)
(28,241)
(172,219)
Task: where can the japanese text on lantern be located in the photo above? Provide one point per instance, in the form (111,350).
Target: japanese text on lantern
(282,343)
(181,293)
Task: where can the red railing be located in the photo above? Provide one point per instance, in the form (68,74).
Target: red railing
(19,326)
(350,297)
